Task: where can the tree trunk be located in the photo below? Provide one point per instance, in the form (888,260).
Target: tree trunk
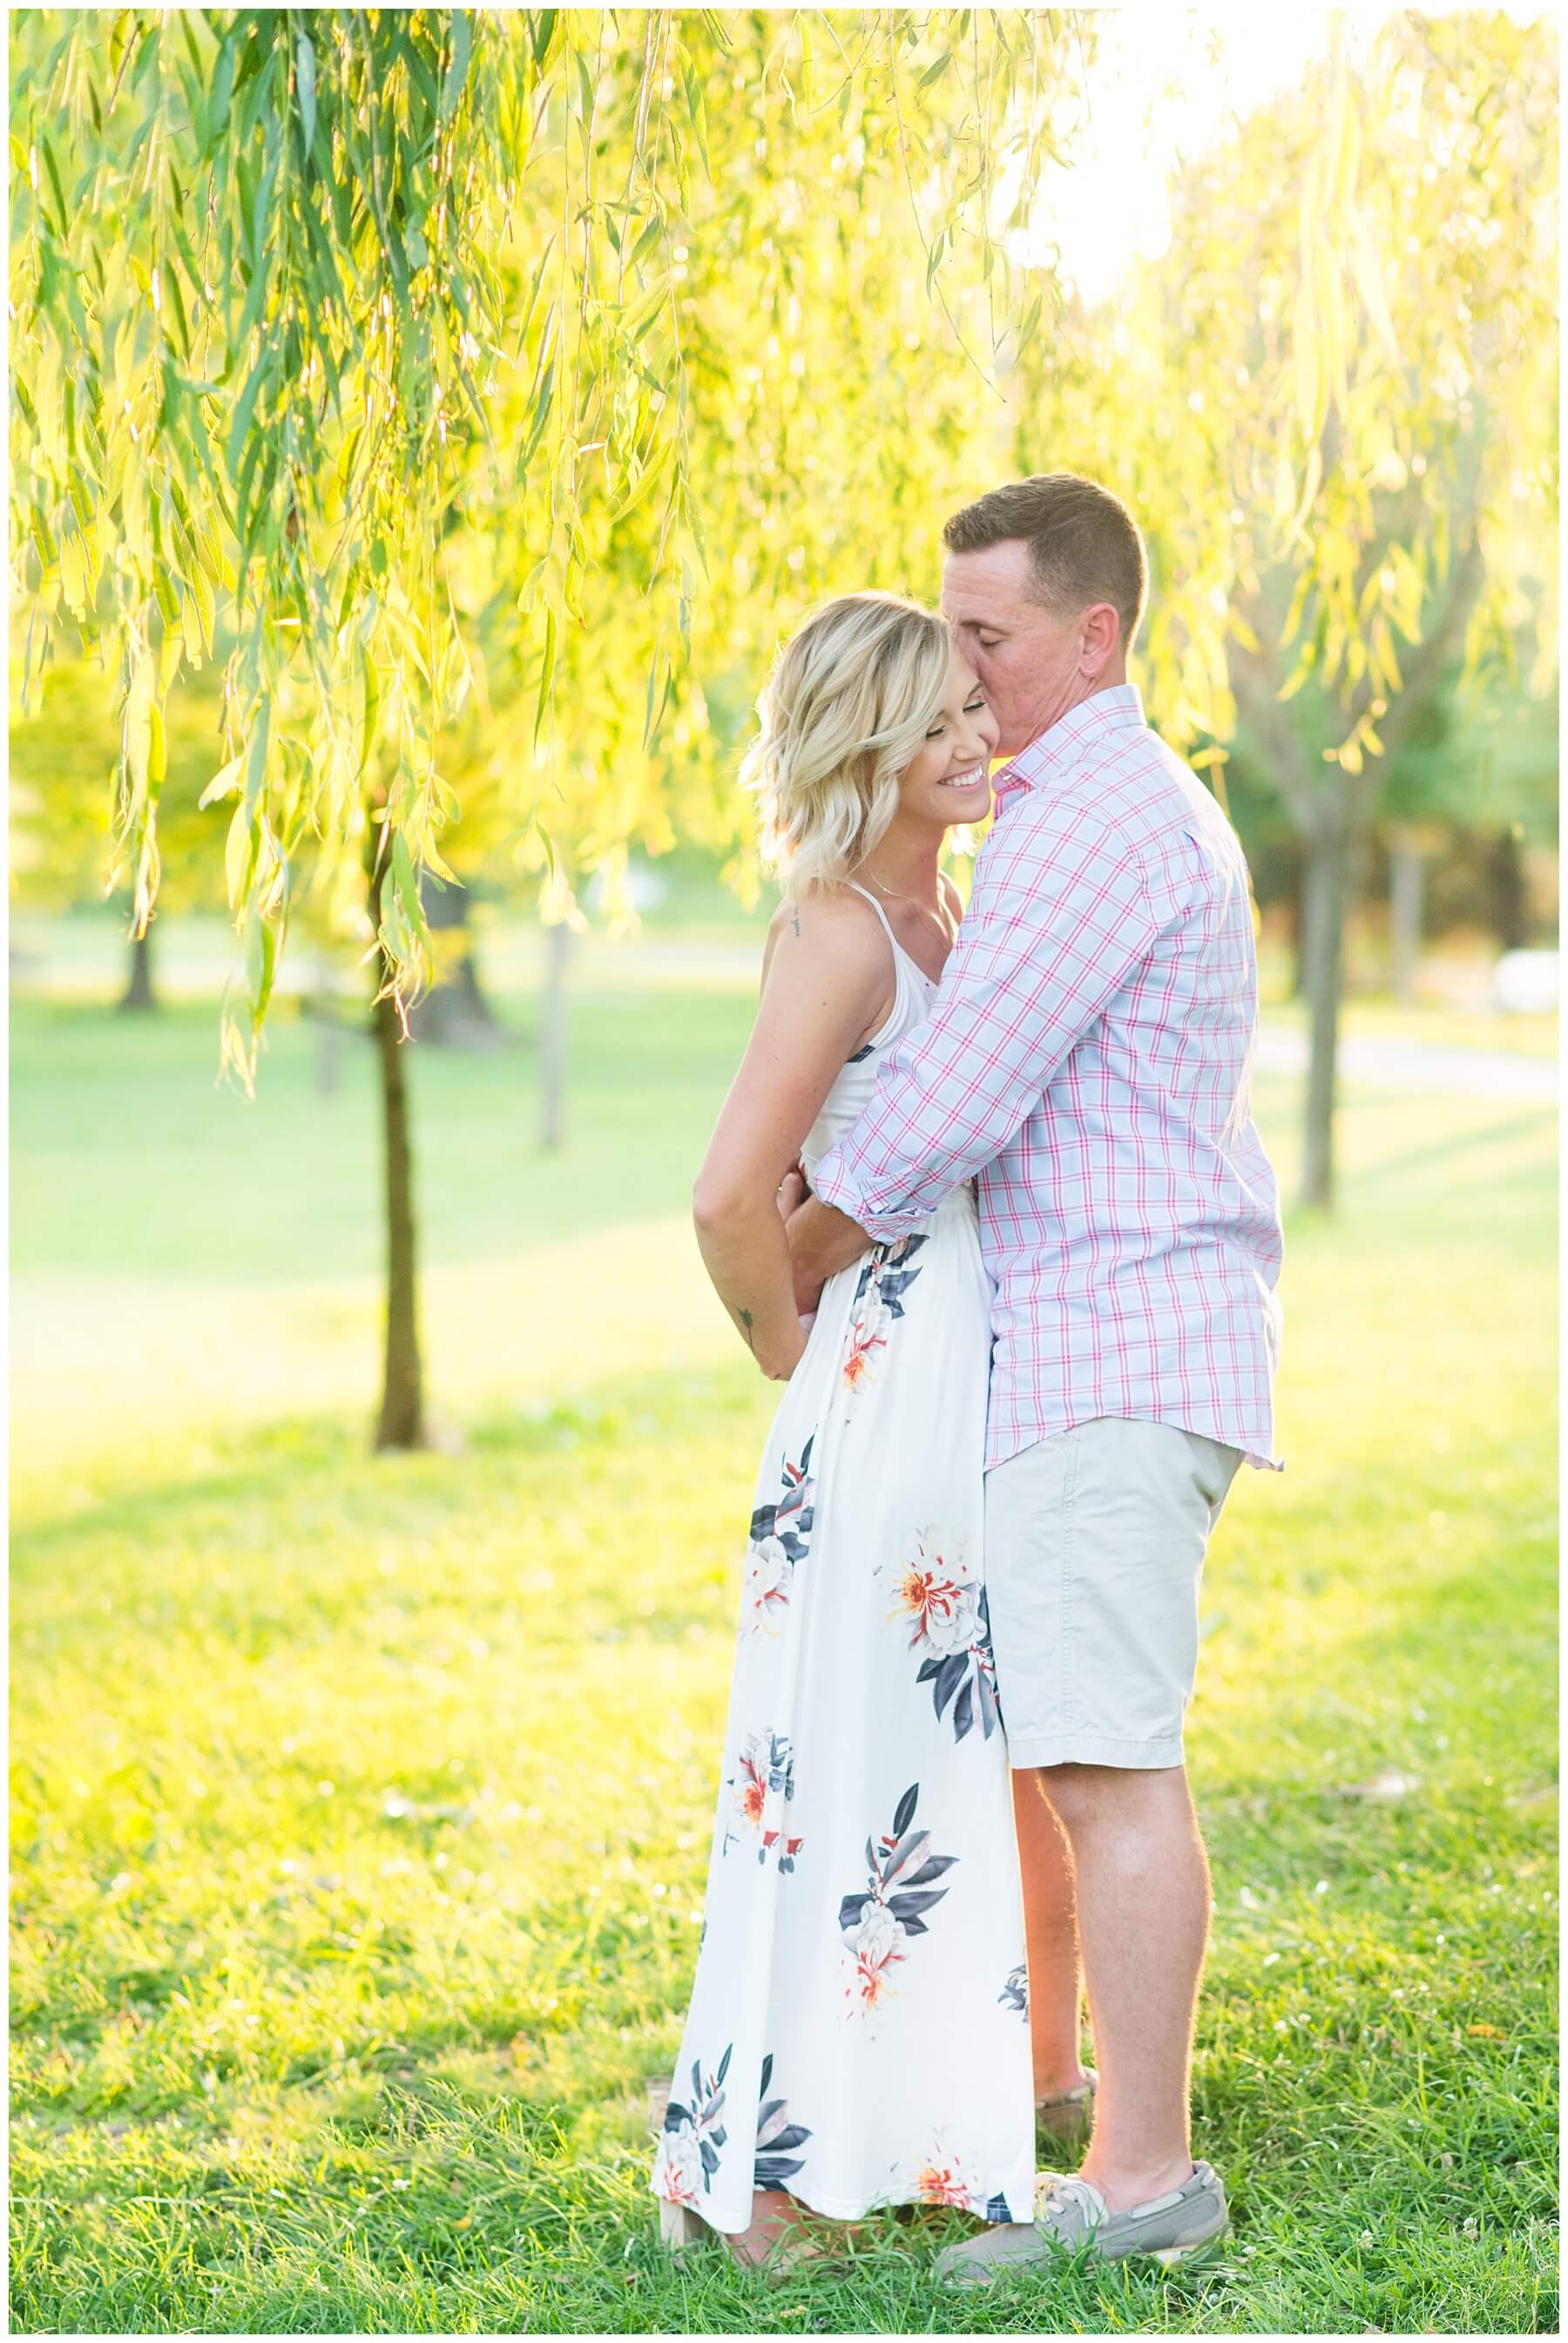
(1507,895)
(1299,934)
(138,999)
(1406,873)
(553,1037)
(1327,886)
(402,1423)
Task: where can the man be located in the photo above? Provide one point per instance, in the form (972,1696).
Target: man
(1088,1061)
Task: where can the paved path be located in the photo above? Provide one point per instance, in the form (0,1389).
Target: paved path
(1391,1064)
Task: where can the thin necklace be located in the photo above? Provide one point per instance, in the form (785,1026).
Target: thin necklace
(941,918)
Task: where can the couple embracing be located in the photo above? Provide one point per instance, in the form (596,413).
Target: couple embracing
(1023,1301)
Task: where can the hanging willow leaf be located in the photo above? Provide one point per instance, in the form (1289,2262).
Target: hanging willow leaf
(224,782)
(304,73)
(456,70)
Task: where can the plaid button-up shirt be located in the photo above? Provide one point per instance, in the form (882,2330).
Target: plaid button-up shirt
(1088,1059)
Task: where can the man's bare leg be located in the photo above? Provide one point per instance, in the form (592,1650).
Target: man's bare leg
(1051,1927)
(1143,1921)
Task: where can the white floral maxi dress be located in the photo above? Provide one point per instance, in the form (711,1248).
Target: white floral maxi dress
(857,2032)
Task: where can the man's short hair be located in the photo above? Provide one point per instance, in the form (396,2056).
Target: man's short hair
(1083,544)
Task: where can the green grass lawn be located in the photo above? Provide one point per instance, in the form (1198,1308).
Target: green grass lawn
(360,1807)
(1531,1034)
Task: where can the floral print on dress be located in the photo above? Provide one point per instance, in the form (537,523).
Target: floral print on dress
(867,1336)
(879,1301)
(1014,1994)
(780,1538)
(776,2135)
(941,2181)
(692,2136)
(952,1632)
(878,1925)
(764,1776)
(888,1270)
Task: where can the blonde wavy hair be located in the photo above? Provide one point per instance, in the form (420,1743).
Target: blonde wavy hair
(846,709)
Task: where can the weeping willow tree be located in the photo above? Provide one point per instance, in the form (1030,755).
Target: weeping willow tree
(830,359)
(1332,403)
(496,385)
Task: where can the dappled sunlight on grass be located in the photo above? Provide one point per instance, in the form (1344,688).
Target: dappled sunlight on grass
(138,1386)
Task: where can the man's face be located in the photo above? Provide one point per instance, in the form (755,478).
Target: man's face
(1033,665)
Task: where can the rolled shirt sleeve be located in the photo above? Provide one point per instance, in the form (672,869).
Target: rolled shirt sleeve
(1059,919)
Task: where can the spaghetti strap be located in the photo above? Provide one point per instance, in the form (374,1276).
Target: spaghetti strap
(887,926)
(902,958)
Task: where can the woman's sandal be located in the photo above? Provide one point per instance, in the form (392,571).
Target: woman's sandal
(680,2228)
(1069,2117)
(789,2251)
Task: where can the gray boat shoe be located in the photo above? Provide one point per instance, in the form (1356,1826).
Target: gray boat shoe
(1072,2214)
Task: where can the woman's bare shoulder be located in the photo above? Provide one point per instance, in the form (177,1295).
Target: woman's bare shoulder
(835,928)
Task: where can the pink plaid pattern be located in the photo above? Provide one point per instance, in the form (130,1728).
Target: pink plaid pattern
(1088,1059)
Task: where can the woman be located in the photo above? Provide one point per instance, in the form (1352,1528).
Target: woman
(858,2033)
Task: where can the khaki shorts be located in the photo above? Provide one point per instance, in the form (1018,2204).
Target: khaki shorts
(1094,1544)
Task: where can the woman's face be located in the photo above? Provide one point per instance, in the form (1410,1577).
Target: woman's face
(948,779)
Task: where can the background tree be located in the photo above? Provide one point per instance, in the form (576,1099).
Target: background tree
(1333,402)
(64,763)
(1479,770)
(1463,807)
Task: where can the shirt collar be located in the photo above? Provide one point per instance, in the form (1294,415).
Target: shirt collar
(1063,742)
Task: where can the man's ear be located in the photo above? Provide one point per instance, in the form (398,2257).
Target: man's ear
(1101,626)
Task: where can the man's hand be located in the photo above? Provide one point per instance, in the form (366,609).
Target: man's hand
(822,1240)
(792,1192)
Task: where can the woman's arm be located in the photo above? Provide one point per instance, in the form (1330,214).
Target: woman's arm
(825,986)
(822,1239)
